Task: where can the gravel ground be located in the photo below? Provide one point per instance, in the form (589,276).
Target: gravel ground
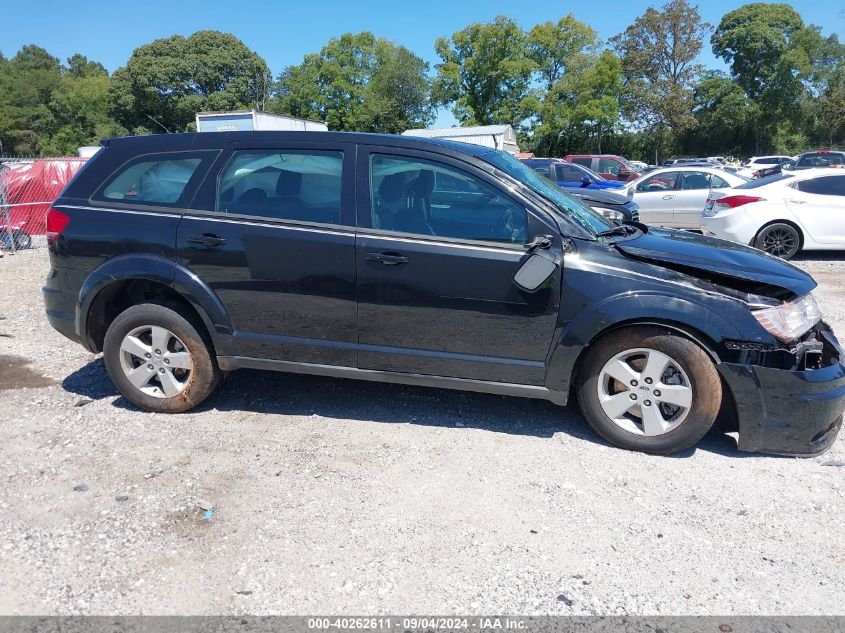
(333,496)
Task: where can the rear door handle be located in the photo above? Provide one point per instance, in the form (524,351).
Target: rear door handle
(668,197)
(389,259)
(798,201)
(207,239)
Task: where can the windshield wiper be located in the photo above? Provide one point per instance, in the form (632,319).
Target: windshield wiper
(623,229)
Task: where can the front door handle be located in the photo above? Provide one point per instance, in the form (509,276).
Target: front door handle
(207,239)
(389,259)
(798,201)
(668,197)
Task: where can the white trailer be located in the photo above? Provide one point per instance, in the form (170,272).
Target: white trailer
(254,121)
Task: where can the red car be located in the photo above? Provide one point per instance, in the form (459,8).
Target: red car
(609,166)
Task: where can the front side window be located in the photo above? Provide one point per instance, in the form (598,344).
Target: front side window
(568,173)
(659,182)
(585,161)
(283,184)
(155,179)
(427,198)
(609,166)
(825,186)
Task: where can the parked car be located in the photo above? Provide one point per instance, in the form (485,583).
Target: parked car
(607,166)
(430,263)
(820,158)
(674,196)
(570,175)
(638,165)
(610,204)
(755,163)
(782,214)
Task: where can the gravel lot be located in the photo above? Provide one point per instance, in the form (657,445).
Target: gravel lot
(333,496)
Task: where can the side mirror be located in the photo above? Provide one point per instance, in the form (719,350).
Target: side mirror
(624,173)
(586,182)
(534,272)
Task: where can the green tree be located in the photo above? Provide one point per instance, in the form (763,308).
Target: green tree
(485,73)
(659,62)
(358,82)
(724,114)
(782,65)
(165,83)
(556,47)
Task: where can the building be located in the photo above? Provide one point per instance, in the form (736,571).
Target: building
(253,121)
(496,136)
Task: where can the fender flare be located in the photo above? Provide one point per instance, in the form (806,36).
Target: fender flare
(656,308)
(151,268)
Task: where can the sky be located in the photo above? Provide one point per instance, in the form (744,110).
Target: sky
(282,32)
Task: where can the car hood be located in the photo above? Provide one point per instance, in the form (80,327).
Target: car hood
(601,196)
(689,252)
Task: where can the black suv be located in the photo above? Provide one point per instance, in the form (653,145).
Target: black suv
(431,263)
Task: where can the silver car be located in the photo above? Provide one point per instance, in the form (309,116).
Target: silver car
(675,196)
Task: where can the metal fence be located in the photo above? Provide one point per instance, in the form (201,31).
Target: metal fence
(28,187)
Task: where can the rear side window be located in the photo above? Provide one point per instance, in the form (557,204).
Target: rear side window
(154,179)
(695,180)
(825,186)
(283,184)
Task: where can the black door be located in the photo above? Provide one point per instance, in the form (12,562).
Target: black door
(273,238)
(438,245)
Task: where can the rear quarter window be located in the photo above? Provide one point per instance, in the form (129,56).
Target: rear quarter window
(155,179)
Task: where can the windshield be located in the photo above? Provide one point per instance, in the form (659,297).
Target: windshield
(583,216)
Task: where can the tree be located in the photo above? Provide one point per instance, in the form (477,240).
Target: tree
(779,62)
(485,73)
(555,47)
(659,52)
(79,66)
(165,83)
(724,114)
(358,82)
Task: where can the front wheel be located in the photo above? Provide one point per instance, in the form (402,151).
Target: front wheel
(649,390)
(779,239)
(159,360)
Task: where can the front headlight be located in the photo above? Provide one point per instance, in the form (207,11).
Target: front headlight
(610,214)
(790,320)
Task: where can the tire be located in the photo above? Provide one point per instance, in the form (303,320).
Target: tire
(22,239)
(779,239)
(663,427)
(181,376)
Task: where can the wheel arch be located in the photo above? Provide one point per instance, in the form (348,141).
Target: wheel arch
(792,223)
(129,280)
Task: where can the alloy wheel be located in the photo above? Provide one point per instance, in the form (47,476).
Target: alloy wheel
(780,242)
(156,361)
(645,392)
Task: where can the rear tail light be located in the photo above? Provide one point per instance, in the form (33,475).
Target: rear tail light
(736,201)
(56,223)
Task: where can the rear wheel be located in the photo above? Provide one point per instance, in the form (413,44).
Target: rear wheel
(779,239)
(159,360)
(649,390)
(22,239)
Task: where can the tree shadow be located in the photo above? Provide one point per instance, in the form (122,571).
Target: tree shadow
(345,399)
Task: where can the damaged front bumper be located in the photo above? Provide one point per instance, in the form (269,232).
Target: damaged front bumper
(790,410)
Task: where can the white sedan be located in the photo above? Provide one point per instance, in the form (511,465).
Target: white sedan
(782,214)
(674,196)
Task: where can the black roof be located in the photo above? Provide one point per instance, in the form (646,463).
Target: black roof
(214,140)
